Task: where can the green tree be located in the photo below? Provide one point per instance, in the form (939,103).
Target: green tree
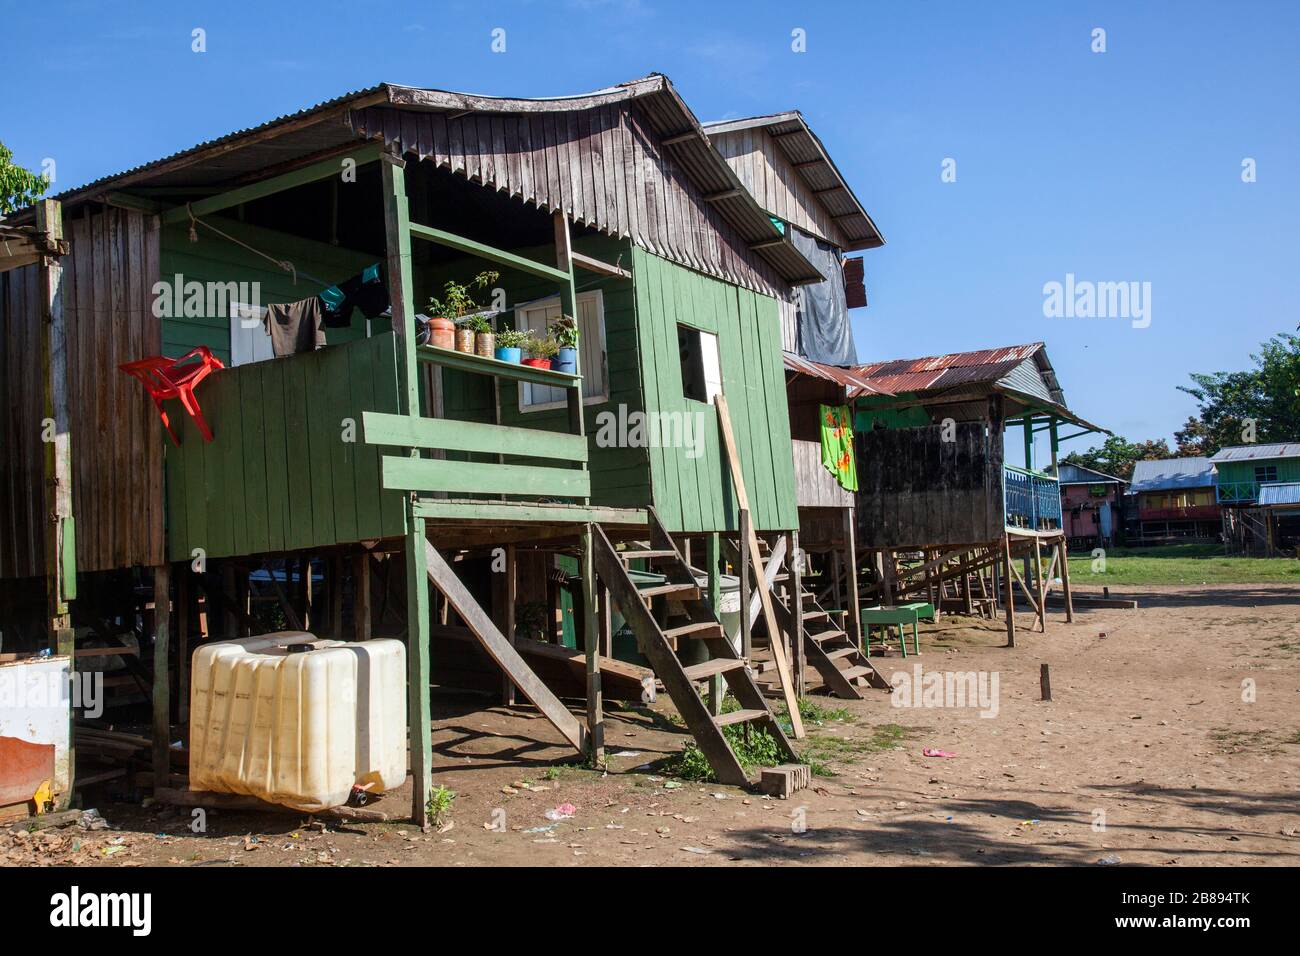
(1267,395)
(1117,455)
(18,187)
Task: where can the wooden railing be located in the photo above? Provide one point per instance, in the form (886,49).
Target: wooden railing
(1032,499)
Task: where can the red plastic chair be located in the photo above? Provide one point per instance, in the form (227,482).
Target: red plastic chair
(173,378)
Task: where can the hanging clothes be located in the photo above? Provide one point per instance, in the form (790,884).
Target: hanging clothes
(837,445)
(295,326)
(366,291)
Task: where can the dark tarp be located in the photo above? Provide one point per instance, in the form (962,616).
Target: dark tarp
(825,335)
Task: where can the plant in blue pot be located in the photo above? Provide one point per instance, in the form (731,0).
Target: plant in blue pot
(510,345)
(565,332)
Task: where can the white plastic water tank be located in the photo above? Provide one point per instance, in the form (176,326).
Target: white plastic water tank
(297,720)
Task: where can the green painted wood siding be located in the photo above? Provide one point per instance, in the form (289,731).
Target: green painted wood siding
(278,475)
(1288,469)
(694,494)
(215,259)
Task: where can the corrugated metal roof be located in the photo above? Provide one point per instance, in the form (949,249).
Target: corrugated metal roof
(1169,474)
(1280,493)
(986,367)
(855,383)
(1287,449)
(1067,474)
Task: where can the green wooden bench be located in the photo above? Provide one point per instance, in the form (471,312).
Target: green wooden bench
(900,615)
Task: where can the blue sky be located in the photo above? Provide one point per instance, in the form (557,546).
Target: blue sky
(1122,166)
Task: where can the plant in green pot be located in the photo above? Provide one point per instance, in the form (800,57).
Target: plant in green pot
(565,332)
(510,345)
(540,351)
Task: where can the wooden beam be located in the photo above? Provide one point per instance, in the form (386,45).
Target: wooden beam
(591,648)
(1065,581)
(769,615)
(162,728)
(418,571)
(409,431)
(483,251)
(722,194)
(1007,571)
(467,477)
(599,267)
(682,137)
(361,611)
(324,169)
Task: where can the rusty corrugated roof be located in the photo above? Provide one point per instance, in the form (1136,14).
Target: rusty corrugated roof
(944,371)
(847,377)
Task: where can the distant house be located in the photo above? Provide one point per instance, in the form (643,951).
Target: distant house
(1175,499)
(1091,506)
(1257,489)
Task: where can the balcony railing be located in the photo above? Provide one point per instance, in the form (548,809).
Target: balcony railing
(1032,499)
(1236,492)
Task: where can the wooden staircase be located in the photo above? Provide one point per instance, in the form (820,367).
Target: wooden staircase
(659,638)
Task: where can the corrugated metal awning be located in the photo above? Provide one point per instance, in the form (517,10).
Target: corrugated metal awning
(1275,493)
(847,377)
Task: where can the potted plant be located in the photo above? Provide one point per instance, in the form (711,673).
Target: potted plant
(510,345)
(540,351)
(565,332)
(465,336)
(484,338)
(457,302)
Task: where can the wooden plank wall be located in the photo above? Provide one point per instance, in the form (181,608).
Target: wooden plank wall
(115,432)
(815,487)
(603,167)
(915,489)
(22,543)
(771,178)
(694,494)
(279,474)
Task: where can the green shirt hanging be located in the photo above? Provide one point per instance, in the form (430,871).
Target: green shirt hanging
(837,445)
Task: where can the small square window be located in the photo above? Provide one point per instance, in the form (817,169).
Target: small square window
(701,372)
(1265,473)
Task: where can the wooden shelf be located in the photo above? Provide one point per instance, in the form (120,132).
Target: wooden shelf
(468,362)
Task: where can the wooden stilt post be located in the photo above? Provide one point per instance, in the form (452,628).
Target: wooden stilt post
(1065,580)
(509,596)
(361,597)
(1010,599)
(746,634)
(853,612)
(890,577)
(591,609)
(182,625)
(161,684)
(1040,586)
(796,614)
(713,559)
(417,652)
(336,597)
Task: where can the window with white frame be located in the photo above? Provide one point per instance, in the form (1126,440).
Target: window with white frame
(534,317)
(249,340)
(701,370)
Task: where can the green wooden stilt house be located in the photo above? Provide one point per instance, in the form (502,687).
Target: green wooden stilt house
(378,452)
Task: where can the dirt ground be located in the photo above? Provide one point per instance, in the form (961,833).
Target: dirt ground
(1151,752)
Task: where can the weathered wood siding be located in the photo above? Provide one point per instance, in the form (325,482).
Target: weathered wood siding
(915,489)
(22,527)
(815,487)
(694,494)
(775,184)
(116,437)
(279,474)
(604,167)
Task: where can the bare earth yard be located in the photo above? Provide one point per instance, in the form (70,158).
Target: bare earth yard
(1147,733)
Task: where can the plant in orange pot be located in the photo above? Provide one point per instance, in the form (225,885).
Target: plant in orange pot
(457,302)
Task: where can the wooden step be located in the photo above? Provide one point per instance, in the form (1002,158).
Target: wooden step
(646,555)
(740,717)
(719,665)
(684,592)
(821,637)
(842,652)
(700,629)
(814,615)
(852,672)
